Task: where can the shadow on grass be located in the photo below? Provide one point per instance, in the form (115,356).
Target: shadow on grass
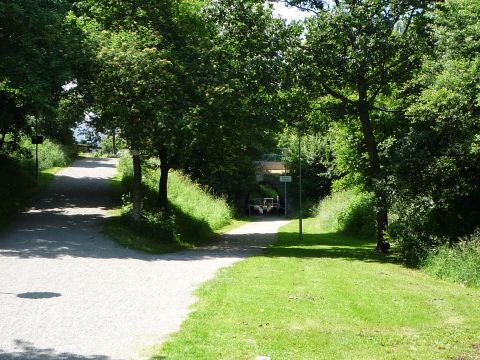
(155,238)
(334,245)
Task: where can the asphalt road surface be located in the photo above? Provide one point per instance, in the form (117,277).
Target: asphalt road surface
(69,292)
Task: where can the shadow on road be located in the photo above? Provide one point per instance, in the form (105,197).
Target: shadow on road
(26,351)
(65,220)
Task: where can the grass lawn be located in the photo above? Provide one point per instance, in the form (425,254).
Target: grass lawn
(328,297)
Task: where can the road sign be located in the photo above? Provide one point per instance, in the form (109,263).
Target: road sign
(37,139)
(285,179)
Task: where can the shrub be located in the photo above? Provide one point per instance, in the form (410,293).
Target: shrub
(329,208)
(350,211)
(358,218)
(415,231)
(18,164)
(50,153)
(459,263)
(107,145)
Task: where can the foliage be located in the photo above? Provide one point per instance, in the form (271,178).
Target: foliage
(239,115)
(317,299)
(50,153)
(330,207)
(36,61)
(348,211)
(358,218)
(459,263)
(437,167)
(317,163)
(355,57)
(261,191)
(107,144)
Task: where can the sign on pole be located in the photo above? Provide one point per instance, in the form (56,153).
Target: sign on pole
(285,179)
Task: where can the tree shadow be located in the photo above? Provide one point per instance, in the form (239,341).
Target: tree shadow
(334,245)
(26,351)
(66,220)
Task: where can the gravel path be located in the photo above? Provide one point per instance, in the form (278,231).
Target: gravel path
(69,292)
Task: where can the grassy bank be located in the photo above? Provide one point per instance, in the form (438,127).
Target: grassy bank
(328,297)
(196,215)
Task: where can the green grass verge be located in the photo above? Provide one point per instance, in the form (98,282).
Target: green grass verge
(327,297)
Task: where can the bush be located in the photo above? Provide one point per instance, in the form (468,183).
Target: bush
(18,164)
(458,263)
(153,222)
(414,231)
(107,145)
(329,208)
(350,211)
(50,153)
(358,218)
(14,193)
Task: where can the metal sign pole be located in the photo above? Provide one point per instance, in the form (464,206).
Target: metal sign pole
(300,230)
(36,150)
(285,199)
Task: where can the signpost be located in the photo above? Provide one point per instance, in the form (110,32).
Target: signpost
(36,140)
(285,179)
(300,230)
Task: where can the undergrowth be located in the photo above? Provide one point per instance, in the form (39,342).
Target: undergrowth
(349,211)
(459,263)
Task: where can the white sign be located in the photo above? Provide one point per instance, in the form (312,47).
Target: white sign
(285,179)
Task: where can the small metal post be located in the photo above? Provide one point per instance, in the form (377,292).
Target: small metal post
(36,151)
(285,183)
(300,232)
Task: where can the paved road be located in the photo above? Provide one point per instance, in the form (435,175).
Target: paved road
(69,292)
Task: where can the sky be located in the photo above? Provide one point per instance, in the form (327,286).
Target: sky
(289,13)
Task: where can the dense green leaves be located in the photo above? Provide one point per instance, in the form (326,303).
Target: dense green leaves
(35,61)
(437,165)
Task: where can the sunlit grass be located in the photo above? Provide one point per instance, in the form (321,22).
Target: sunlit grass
(327,297)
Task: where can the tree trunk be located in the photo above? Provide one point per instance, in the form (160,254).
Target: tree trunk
(380,196)
(137,189)
(163,185)
(2,140)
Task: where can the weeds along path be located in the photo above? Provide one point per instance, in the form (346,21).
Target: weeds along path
(69,292)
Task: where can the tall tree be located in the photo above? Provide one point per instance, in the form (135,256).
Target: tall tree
(145,79)
(437,153)
(35,61)
(358,52)
(239,108)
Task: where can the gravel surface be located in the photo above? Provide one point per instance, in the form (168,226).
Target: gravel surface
(69,292)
